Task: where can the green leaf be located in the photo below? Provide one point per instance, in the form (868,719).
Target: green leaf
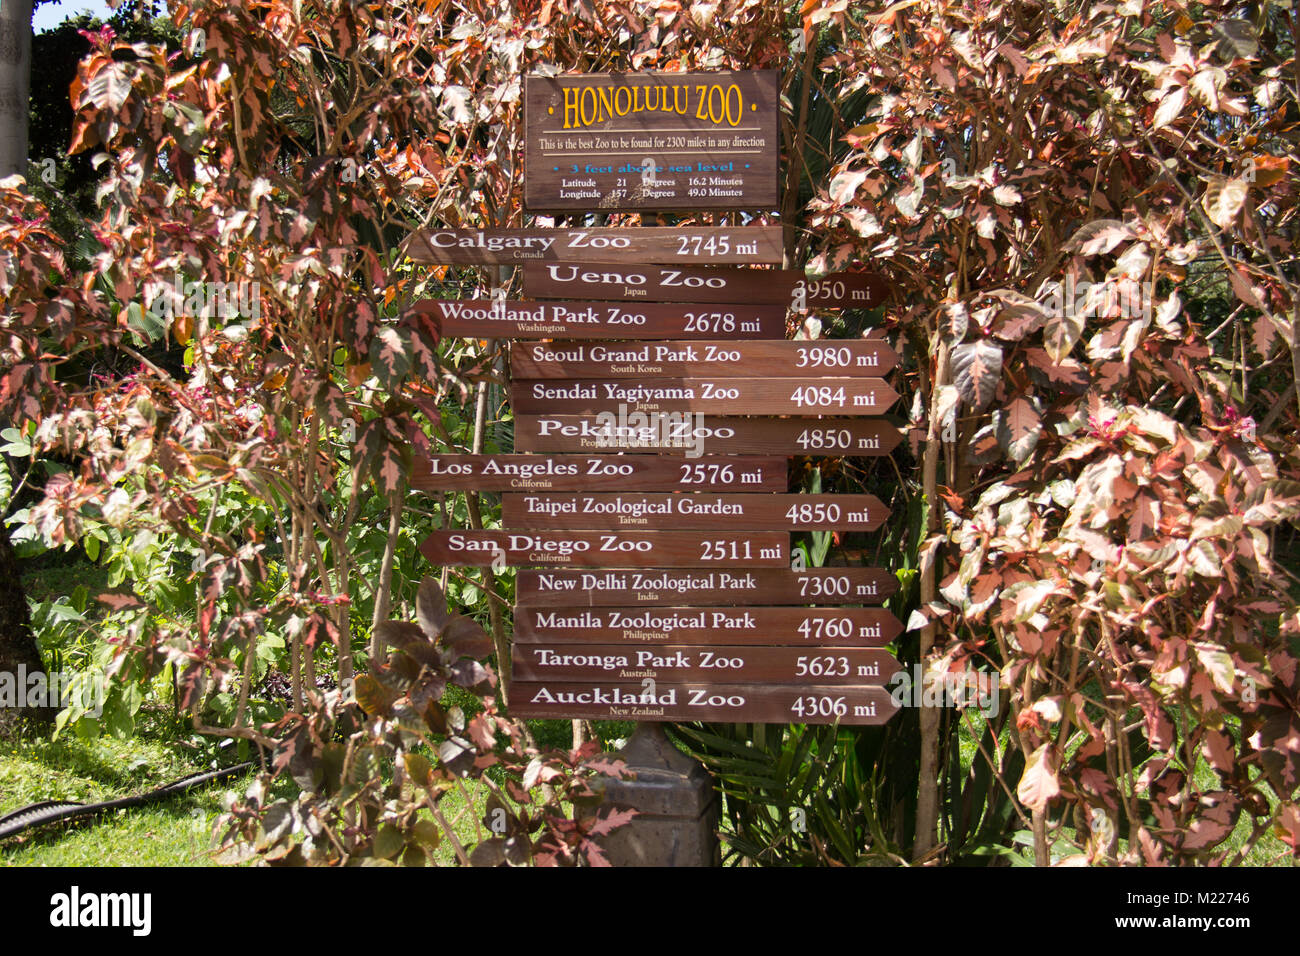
(87,727)
(388,842)
(821,546)
(147,326)
(117,719)
(17,446)
(418,768)
(414,856)
(187,123)
(427,833)
(375,699)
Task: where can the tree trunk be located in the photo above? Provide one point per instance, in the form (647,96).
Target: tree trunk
(19,654)
(18,651)
(15,83)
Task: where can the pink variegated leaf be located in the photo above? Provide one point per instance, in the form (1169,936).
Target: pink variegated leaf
(977,367)
(390,470)
(1097,237)
(611,821)
(390,355)
(1038,785)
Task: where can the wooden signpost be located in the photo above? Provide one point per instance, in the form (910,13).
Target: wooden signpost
(643,432)
(705,512)
(721,396)
(720,665)
(676,283)
(579,472)
(829,586)
(798,626)
(746,245)
(489,318)
(731,703)
(605,549)
(651,141)
(657,402)
(819,359)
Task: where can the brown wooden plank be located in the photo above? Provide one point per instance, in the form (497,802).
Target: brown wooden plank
(721,626)
(608,549)
(489,318)
(578,472)
(624,141)
(669,588)
(661,283)
(839,290)
(698,434)
(612,281)
(732,703)
(692,512)
(721,396)
(823,358)
(595,663)
(735,245)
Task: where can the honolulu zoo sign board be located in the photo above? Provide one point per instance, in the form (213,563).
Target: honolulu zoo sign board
(651,141)
(660,585)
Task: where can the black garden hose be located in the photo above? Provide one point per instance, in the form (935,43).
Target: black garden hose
(52,811)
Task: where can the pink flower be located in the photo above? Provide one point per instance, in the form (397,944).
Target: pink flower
(1101,428)
(101,38)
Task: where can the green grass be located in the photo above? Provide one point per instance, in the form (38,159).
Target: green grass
(558,734)
(48,579)
(176,832)
(172,833)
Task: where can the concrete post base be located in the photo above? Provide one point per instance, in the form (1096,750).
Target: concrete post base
(677,822)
